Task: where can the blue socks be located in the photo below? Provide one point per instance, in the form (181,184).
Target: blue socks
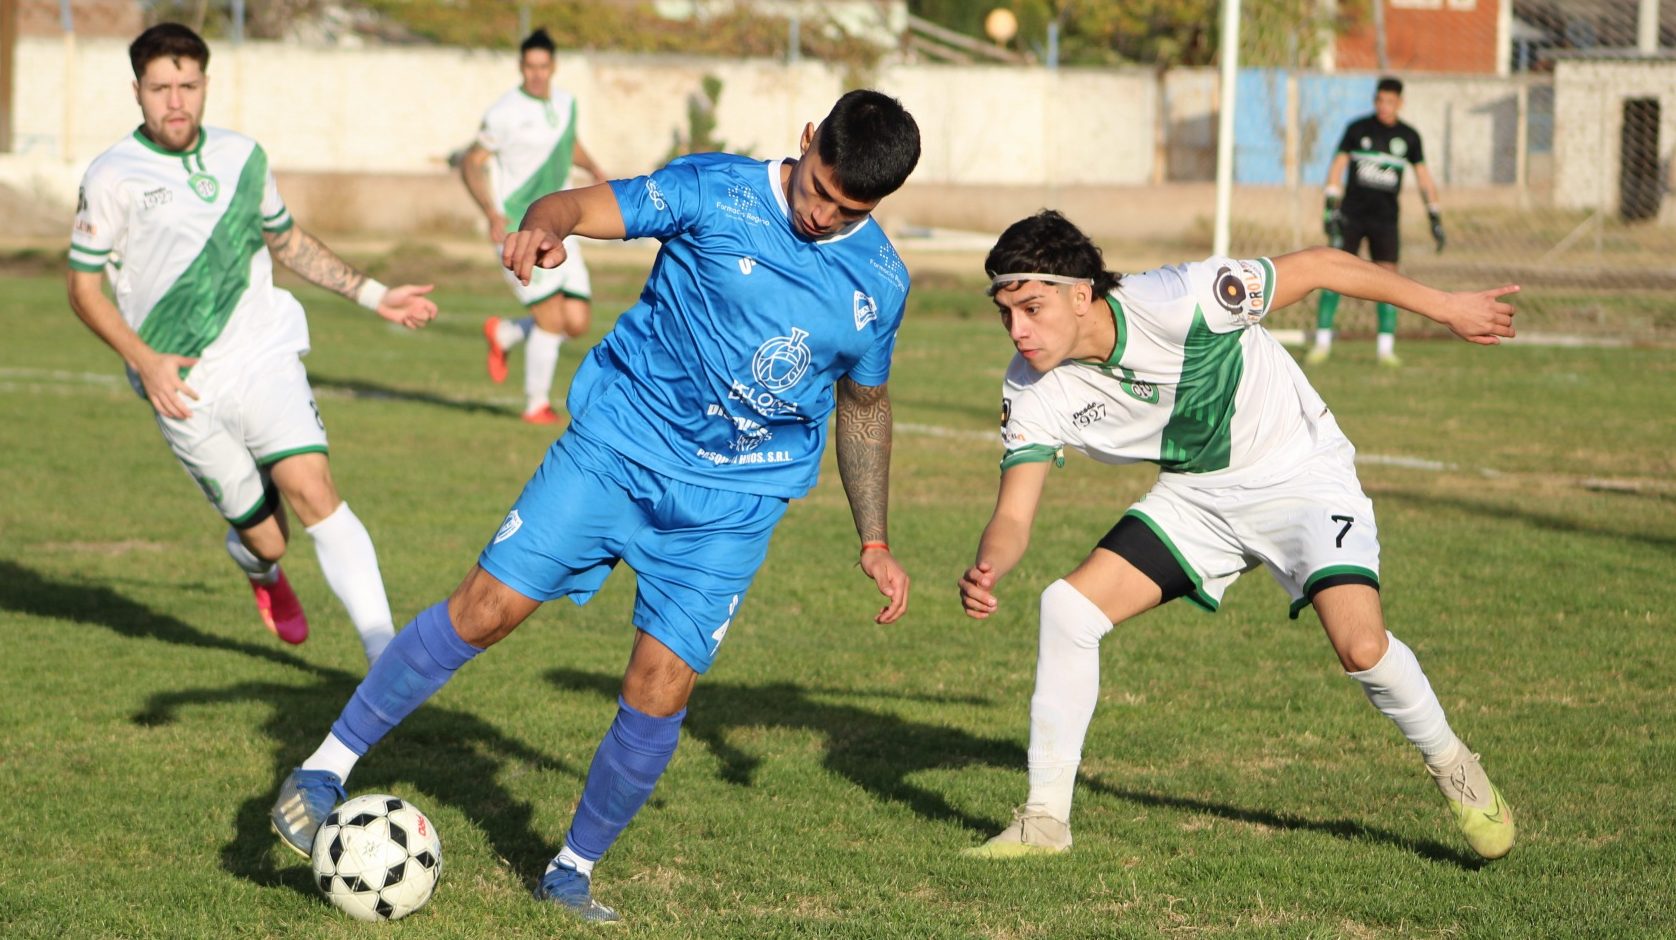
(417,662)
(630,759)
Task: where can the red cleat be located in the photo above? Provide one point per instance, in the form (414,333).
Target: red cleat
(497,352)
(281,612)
(543,415)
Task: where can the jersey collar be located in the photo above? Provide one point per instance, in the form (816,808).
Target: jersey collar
(1119,329)
(151,145)
(779,190)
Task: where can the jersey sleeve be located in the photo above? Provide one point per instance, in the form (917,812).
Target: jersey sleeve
(1347,140)
(1416,153)
(100,213)
(1027,425)
(488,135)
(1233,293)
(662,204)
(276,217)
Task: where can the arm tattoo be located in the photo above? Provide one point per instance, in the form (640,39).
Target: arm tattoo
(314,262)
(864,436)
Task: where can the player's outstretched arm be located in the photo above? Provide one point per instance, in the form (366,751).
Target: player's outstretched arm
(1006,537)
(863,430)
(591,212)
(159,372)
(317,264)
(1476,316)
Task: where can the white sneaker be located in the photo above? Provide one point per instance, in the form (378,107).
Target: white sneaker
(1033,832)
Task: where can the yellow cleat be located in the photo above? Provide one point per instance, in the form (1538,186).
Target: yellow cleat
(1390,361)
(1481,814)
(1033,832)
(1316,355)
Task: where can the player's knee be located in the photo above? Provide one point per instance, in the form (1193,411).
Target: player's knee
(1363,651)
(265,542)
(1069,616)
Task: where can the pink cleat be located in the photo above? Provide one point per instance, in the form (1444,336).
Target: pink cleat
(543,415)
(281,612)
(497,352)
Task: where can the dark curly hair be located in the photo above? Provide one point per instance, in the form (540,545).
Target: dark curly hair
(1048,243)
(167,41)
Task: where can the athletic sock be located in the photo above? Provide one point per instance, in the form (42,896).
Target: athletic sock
(541,357)
(567,858)
(1387,320)
(1067,688)
(630,759)
(1385,344)
(261,572)
(1326,309)
(422,657)
(332,755)
(1398,688)
(513,330)
(350,565)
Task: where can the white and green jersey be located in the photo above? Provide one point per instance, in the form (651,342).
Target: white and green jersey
(1194,384)
(180,236)
(533,141)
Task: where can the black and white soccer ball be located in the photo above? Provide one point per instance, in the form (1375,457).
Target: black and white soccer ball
(377,857)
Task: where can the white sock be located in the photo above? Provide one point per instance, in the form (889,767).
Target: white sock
(332,755)
(262,572)
(1067,688)
(1385,344)
(350,565)
(541,357)
(570,859)
(511,331)
(1398,688)
(1324,339)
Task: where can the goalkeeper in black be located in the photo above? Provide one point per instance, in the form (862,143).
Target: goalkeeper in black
(1361,205)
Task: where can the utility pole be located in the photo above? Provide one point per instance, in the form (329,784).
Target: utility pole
(1379,55)
(8,71)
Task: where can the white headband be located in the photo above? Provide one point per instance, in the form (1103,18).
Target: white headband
(998,280)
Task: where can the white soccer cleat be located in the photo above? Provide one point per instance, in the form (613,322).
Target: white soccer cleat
(1481,814)
(1033,832)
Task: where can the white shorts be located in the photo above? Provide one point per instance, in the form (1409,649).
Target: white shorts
(1310,526)
(569,278)
(232,439)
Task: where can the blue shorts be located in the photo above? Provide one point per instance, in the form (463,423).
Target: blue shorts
(693,548)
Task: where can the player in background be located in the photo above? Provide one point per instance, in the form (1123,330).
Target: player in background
(524,150)
(186,222)
(773,304)
(1363,183)
(1172,367)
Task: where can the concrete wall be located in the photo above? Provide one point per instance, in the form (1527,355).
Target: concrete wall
(1588,102)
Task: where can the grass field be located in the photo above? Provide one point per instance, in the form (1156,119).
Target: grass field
(1236,784)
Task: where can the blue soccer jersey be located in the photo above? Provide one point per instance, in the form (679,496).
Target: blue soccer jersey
(722,374)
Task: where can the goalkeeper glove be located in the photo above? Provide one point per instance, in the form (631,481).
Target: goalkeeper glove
(1332,222)
(1437,226)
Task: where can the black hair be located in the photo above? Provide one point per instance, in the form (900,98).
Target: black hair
(167,40)
(1389,83)
(871,143)
(538,40)
(1048,243)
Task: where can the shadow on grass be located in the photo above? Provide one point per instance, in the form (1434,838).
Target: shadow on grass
(438,756)
(879,752)
(361,388)
(26,591)
(1549,522)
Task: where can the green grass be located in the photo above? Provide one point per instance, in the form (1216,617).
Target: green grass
(1236,783)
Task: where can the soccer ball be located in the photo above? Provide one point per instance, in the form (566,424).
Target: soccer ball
(377,858)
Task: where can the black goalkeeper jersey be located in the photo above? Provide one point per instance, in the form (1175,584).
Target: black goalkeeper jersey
(1379,154)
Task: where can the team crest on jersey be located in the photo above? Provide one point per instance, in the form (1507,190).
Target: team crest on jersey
(206,186)
(781,362)
(510,527)
(1399,147)
(866,310)
(1138,389)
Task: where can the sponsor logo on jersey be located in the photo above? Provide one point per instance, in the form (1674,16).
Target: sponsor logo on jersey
(866,310)
(1006,411)
(160,196)
(1367,143)
(751,435)
(81,200)
(510,527)
(1378,176)
(655,195)
(1089,414)
(889,264)
(1239,290)
(206,186)
(741,203)
(211,488)
(746,264)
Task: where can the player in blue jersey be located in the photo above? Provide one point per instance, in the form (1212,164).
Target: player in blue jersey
(773,304)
